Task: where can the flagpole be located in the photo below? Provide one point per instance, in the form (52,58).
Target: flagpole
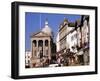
(40,21)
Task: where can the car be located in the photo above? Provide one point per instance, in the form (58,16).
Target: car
(53,65)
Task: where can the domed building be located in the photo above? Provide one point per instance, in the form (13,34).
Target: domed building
(47,29)
(41,44)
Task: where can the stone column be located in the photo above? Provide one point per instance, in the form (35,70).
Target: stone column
(49,50)
(43,47)
(37,43)
(31,55)
(37,50)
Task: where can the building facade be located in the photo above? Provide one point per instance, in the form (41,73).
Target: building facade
(27,58)
(64,34)
(75,35)
(41,44)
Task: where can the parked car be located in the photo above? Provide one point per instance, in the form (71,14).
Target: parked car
(53,65)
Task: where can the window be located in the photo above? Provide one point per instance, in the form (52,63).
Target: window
(34,43)
(46,42)
(72,38)
(40,43)
(28,61)
(75,35)
(28,56)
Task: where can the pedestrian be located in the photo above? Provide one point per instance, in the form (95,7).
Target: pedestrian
(86,57)
(59,60)
(73,55)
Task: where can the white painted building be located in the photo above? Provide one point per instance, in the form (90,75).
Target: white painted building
(85,32)
(27,58)
(72,38)
(64,36)
(79,37)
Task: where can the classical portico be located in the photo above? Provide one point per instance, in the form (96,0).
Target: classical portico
(41,45)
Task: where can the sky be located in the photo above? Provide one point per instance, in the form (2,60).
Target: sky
(34,22)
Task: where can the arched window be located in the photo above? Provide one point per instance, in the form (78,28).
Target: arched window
(40,43)
(46,42)
(34,43)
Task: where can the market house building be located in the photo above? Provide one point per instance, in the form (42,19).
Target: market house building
(41,44)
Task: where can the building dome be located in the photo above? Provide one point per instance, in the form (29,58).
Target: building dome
(47,29)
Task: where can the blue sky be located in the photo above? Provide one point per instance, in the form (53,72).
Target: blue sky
(34,22)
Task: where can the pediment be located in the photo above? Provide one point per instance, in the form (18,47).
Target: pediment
(40,34)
